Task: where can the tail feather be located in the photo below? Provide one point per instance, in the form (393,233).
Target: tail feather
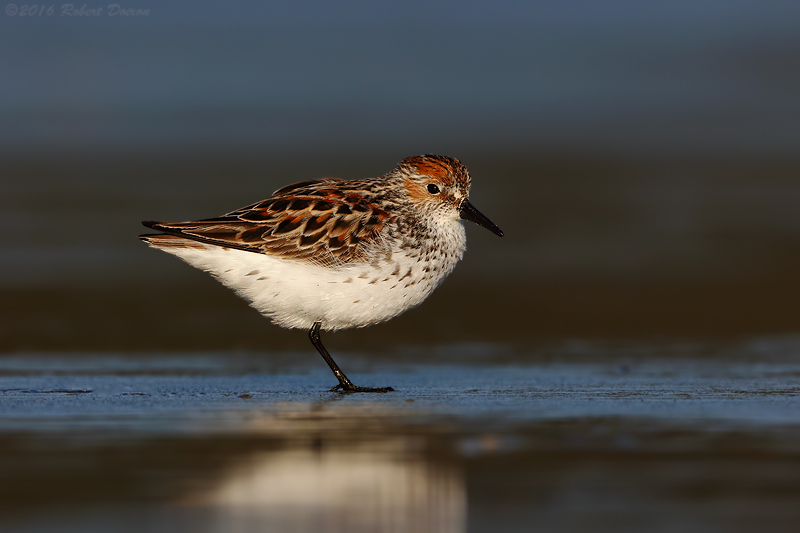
(163,240)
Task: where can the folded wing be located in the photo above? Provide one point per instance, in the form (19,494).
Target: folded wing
(315,221)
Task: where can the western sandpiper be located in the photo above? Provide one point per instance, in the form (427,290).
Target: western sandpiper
(330,254)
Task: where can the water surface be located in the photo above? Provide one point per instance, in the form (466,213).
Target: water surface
(226,442)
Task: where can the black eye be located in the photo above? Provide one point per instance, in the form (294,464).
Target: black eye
(433,188)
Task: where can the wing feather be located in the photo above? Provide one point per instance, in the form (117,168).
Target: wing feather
(322,221)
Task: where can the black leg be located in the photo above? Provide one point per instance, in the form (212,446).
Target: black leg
(344,384)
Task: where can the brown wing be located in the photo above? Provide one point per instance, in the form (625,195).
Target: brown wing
(321,221)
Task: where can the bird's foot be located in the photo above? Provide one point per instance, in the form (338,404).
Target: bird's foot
(347,389)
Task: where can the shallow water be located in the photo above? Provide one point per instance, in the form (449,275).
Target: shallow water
(644,441)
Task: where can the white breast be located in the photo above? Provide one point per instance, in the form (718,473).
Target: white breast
(296,294)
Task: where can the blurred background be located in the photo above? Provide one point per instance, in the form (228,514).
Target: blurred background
(641,157)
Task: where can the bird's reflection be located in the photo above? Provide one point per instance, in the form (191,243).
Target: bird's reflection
(324,479)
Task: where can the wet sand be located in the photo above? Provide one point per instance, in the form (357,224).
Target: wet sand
(652,439)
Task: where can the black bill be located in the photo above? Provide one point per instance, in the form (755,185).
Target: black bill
(468,212)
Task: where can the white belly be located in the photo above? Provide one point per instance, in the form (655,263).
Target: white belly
(296,294)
